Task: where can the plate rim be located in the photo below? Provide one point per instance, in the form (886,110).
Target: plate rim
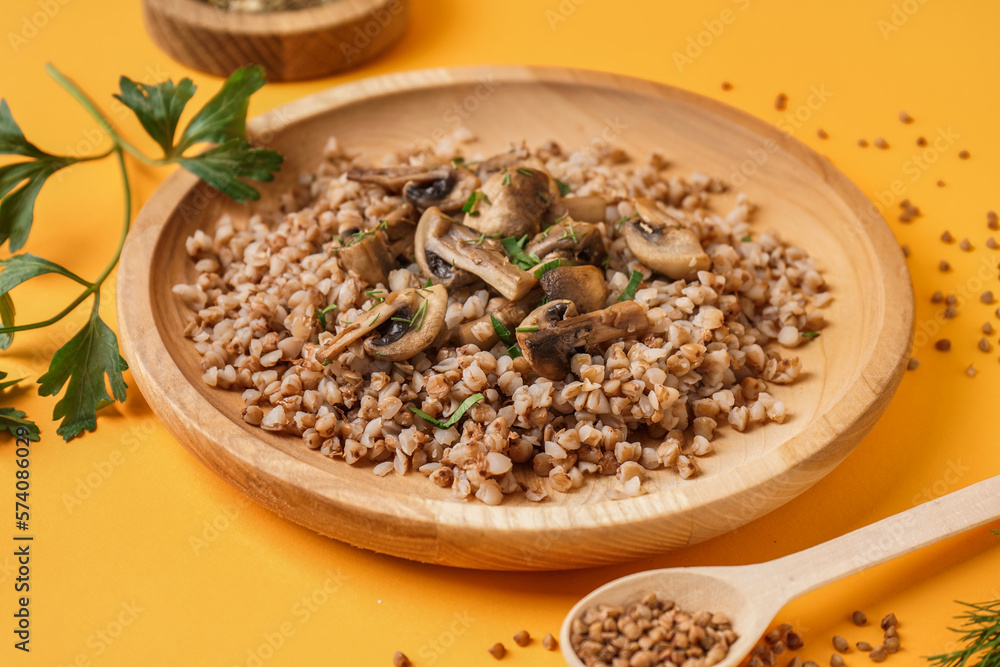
(856,410)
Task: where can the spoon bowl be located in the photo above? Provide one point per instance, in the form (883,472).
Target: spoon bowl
(752,595)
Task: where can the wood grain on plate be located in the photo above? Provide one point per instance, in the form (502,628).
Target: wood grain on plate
(850,372)
(291,45)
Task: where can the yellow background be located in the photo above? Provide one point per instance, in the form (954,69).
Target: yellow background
(129,550)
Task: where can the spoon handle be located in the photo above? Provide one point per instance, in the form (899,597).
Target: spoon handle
(897,535)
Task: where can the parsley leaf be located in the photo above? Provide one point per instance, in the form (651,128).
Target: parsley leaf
(455,416)
(746,239)
(7,318)
(84,361)
(503,333)
(321,315)
(19,268)
(158,107)
(12,419)
(220,166)
(12,141)
(469,207)
(810,334)
(548,266)
(515,249)
(224,117)
(563,188)
(633,286)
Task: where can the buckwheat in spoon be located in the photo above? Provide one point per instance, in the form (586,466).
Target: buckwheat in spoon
(725,610)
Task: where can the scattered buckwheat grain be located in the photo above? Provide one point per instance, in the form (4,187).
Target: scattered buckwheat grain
(864,646)
(881,143)
(937,297)
(987,328)
(522,638)
(821,133)
(951,312)
(498,651)
(836,661)
(549,642)
(944,266)
(878,654)
(913,365)
(863,143)
(940,183)
(921,141)
(906,249)
(971,371)
(965,245)
(942,345)
(951,299)
(781,102)
(841,644)
(946,237)
(986,297)
(399,659)
(963,154)
(991,243)
(726,85)
(891,644)
(992,220)
(905,117)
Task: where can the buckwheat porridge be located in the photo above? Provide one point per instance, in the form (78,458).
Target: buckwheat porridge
(504,324)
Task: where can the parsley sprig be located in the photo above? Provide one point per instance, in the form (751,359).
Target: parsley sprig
(89,364)
(504,334)
(633,286)
(515,249)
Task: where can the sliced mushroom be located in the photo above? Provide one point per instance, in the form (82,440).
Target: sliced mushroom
(404,324)
(510,314)
(578,242)
(401,226)
(515,201)
(394,179)
(589,208)
(448,192)
(366,254)
(452,254)
(552,333)
(583,285)
(510,159)
(663,243)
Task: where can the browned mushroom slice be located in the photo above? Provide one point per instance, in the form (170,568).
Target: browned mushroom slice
(481,333)
(512,158)
(578,242)
(515,201)
(552,333)
(394,179)
(589,208)
(404,324)
(448,253)
(447,193)
(366,254)
(401,227)
(583,285)
(663,243)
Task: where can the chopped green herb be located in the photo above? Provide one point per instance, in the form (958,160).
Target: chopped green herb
(810,334)
(526,329)
(321,314)
(515,249)
(633,285)
(455,416)
(503,333)
(469,207)
(563,188)
(374,320)
(548,266)
(524,171)
(746,239)
(606,262)
(477,241)
(506,177)
(622,221)
(326,362)
(371,294)
(380,353)
(571,234)
(513,352)
(457,162)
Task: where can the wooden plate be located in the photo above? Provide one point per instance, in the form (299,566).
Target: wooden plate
(850,372)
(291,45)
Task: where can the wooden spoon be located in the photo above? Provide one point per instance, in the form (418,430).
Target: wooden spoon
(751,595)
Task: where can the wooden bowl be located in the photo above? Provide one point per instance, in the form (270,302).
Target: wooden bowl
(850,373)
(290,45)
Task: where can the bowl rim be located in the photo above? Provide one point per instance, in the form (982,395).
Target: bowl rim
(855,411)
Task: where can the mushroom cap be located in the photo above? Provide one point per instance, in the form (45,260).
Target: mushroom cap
(450,253)
(448,192)
(579,242)
(586,208)
(561,333)
(394,179)
(516,200)
(398,340)
(662,243)
(368,256)
(583,285)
